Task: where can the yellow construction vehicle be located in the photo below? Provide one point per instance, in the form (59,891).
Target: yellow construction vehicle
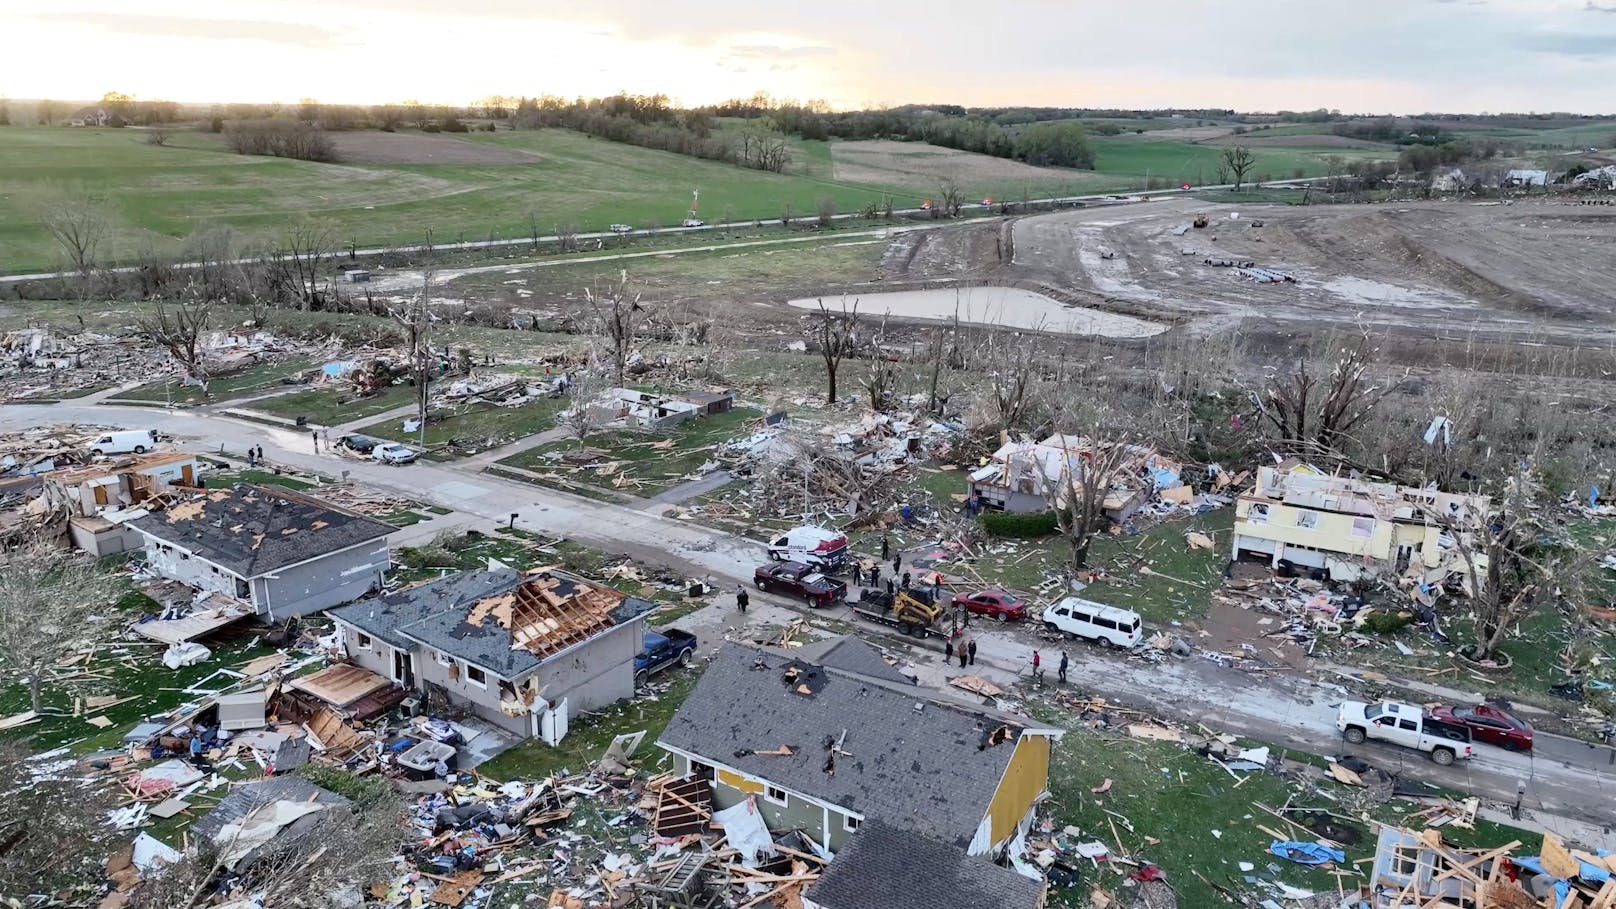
(913,609)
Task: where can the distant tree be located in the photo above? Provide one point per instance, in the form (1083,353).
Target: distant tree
(52,601)
(1055,144)
(1312,416)
(827,211)
(414,316)
(158,135)
(5,114)
(46,112)
(119,104)
(836,334)
(216,124)
(618,314)
(1237,160)
(79,225)
(950,197)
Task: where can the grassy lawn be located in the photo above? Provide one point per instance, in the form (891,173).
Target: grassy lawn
(589,734)
(477,428)
(1204,818)
(635,458)
(222,388)
(249,475)
(330,406)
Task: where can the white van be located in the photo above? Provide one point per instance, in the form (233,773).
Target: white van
(138,441)
(814,546)
(1096,622)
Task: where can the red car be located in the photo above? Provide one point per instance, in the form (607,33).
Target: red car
(998,604)
(1490,724)
(799,580)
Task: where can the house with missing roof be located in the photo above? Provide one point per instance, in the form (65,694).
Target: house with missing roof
(936,777)
(282,552)
(102,498)
(524,652)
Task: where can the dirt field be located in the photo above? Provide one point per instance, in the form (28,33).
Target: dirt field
(916,164)
(372,147)
(1487,271)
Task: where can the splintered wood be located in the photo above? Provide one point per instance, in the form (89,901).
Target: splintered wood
(683,807)
(543,622)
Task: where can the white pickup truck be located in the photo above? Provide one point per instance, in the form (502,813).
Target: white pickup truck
(1406,725)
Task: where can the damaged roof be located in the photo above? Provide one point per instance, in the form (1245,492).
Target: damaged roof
(253,530)
(513,630)
(906,759)
(851,654)
(247,797)
(897,869)
(383,616)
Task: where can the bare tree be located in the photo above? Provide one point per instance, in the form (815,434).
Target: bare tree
(1013,377)
(1237,160)
(298,259)
(950,197)
(880,379)
(415,319)
(533,229)
(1313,415)
(827,211)
(79,225)
(942,352)
(1097,457)
(835,333)
(52,601)
(179,328)
(585,387)
(618,315)
(158,134)
(333,861)
(53,832)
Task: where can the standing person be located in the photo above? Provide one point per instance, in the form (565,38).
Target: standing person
(972,647)
(886,548)
(897,562)
(875,575)
(905,577)
(1063,667)
(314,436)
(742,598)
(1035,662)
(948,649)
(891,587)
(962,654)
(252,458)
(325,436)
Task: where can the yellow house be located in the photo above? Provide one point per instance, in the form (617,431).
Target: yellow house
(823,747)
(1351,527)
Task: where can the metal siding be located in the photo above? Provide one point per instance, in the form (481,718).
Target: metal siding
(484,701)
(1024,779)
(325,582)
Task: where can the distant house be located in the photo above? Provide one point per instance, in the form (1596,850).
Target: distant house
(1349,527)
(94,116)
(525,652)
(1026,476)
(649,410)
(1526,178)
(102,498)
(284,552)
(861,749)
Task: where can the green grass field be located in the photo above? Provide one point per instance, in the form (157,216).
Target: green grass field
(329,406)
(222,388)
(474,429)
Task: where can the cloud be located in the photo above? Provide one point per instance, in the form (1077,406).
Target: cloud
(1570,44)
(1593,7)
(770,50)
(136,24)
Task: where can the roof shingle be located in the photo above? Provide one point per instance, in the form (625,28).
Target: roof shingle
(896,869)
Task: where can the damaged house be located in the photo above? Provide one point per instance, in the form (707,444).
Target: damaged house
(522,651)
(100,499)
(827,751)
(1349,527)
(1421,869)
(1022,476)
(649,410)
(284,553)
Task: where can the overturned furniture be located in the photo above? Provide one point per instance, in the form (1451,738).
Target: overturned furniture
(682,886)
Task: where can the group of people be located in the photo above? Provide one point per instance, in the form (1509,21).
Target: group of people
(965,650)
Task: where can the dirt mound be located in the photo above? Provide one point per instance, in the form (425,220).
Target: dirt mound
(917,164)
(376,147)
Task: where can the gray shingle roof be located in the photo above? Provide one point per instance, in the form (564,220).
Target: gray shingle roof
(383,616)
(916,763)
(253,530)
(243,799)
(896,869)
(850,654)
(489,645)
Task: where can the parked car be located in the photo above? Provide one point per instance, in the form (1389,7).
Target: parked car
(1097,622)
(361,444)
(661,650)
(622,229)
(815,546)
(138,441)
(796,579)
(1493,725)
(998,604)
(1405,725)
(393,453)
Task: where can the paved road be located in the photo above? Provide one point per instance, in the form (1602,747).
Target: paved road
(1563,782)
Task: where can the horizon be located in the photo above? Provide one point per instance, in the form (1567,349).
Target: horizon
(1473,57)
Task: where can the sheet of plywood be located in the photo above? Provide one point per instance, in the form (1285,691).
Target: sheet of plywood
(342,684)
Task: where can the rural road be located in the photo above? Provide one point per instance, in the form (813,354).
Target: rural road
(1565,780)
(766,222)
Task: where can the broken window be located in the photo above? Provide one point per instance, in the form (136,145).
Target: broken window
(364,641)
(476,676)
(1405,862)
(1363,528)
(442,658)
(1307,519)
(849,823)
(1258,514)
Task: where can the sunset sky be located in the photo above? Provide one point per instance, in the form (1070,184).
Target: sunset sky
(1401,56)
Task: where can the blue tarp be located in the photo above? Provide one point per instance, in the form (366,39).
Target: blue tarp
(1306,853)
